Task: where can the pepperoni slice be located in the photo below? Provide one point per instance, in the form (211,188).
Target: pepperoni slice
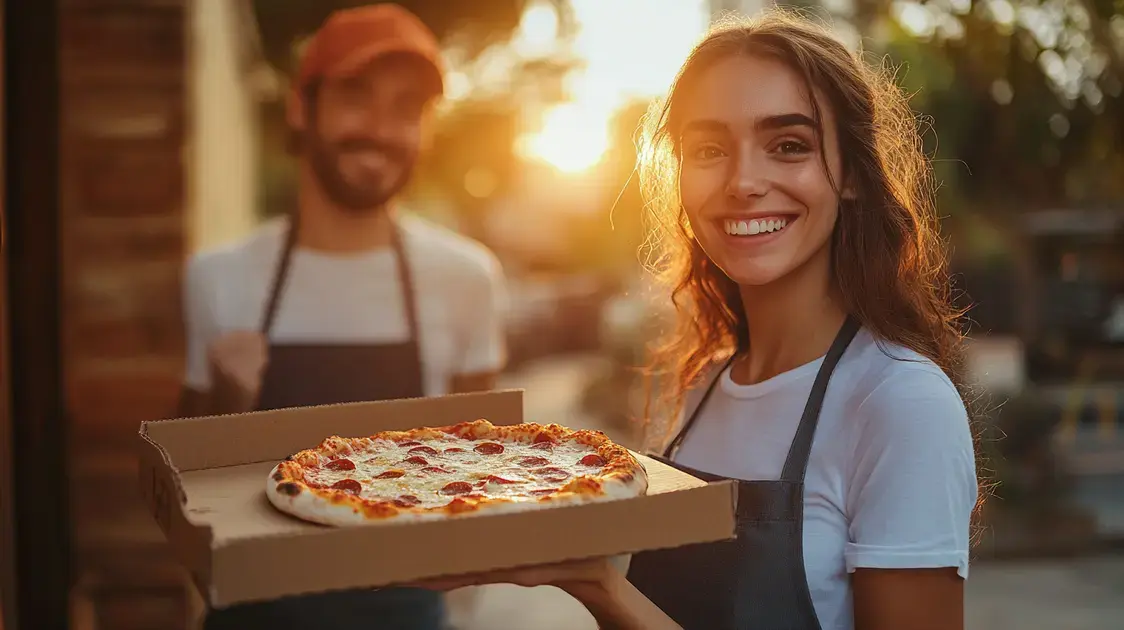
(593,459)
(500,480)
(436,469)
(543,438)
(407,500)
(391,474)
(348,485)
(489,448)
(543,446)
(454,450)
(533,460)
(428,450)
(457,487)
(417,459)
(409,444)
(340,464)
(552,473)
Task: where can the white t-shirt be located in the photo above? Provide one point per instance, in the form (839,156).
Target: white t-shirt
(891,482)
(459,288)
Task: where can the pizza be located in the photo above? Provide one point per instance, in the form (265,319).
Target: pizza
(466,469)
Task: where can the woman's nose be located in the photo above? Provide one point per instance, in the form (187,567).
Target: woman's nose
(746,178)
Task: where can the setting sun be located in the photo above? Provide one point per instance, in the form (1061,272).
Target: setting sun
(627,49)
(572,138)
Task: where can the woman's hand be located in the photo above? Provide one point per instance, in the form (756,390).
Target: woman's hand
(587,577)
(597,584)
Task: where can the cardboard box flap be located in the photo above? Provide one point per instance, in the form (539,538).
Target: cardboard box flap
(271,436)
(162,490)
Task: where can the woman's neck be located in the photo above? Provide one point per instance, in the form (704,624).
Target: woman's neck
(791,322)
(326,227)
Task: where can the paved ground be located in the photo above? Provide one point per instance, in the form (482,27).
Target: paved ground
(1085,594)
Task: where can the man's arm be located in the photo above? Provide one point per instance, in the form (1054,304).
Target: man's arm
(222,372)
(200,329)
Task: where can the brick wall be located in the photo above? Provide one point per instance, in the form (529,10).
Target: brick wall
(124,96)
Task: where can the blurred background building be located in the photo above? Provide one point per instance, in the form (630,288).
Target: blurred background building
(172,139)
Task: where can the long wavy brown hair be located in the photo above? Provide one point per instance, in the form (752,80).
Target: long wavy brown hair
(889,260)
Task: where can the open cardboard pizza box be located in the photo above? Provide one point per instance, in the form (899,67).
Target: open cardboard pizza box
(204,479)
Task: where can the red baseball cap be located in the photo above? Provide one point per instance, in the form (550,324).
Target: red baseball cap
(350,39)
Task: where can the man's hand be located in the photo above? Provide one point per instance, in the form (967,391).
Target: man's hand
(238,361)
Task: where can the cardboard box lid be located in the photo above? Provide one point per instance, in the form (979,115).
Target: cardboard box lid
(204,479)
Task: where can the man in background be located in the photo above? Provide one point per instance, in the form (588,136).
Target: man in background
(347,300)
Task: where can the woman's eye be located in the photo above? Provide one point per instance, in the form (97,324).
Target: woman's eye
(792,147)
(707,153)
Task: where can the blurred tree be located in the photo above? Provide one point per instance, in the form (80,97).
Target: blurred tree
(1027,95)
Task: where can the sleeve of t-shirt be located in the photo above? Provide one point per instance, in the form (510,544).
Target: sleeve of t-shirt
(484,320)
(913,488)
(200,326)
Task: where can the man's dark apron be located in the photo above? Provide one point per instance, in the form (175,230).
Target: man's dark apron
(302,375)
(757,581)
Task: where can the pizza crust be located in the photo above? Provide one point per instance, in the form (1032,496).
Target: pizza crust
(297,485)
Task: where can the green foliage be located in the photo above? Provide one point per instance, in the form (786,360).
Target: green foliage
(1025,97)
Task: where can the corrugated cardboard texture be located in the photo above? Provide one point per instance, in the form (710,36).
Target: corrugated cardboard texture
(205,480)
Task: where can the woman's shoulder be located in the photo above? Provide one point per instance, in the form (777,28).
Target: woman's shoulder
(878,368)
(901,394)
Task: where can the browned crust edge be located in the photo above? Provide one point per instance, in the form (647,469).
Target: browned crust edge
(620,467)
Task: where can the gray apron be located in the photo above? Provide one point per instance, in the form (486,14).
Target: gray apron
(303,375)
(757,581)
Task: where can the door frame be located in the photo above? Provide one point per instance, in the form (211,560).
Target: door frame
(39,444)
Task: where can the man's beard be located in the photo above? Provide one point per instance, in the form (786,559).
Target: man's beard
(368,197)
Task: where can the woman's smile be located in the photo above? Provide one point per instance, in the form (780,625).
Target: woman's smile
(755,231)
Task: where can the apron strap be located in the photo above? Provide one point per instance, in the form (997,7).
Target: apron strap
(280,275)
(405,279)
(796,463)
(284,262)
(671,449)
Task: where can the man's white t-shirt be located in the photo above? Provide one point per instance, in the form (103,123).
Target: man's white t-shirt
(891,482)
(459,291)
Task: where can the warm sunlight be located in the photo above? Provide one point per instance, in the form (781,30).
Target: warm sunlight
(573,137)
(629,49)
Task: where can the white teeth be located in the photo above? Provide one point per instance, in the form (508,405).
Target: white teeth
(753,226)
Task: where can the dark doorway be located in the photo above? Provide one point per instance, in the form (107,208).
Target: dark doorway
(36,424)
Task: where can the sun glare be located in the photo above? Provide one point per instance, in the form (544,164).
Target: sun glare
(628,49)
(573,138)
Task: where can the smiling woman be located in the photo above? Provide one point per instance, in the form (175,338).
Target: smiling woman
(818,355)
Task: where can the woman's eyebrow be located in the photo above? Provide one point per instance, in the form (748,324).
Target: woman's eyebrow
(782,121)
(764,123)
(705,125)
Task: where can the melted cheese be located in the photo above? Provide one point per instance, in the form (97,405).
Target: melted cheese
(425,474)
